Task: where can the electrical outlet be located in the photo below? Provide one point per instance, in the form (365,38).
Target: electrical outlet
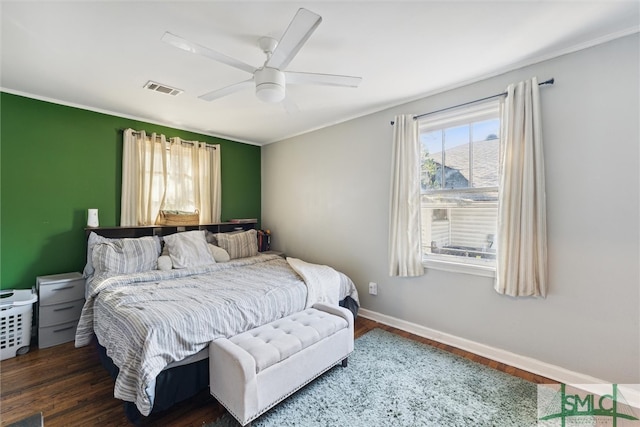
(373,288)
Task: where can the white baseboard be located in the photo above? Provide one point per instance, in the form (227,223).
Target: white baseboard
(553,372)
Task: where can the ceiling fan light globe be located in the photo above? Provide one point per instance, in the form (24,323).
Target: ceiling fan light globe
(270,92)
(270,84)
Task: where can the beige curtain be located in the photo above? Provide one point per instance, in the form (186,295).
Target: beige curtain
(405,254)
(522,227)
(141,159)
(173,175)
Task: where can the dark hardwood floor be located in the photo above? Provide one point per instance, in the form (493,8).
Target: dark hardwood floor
(71,388)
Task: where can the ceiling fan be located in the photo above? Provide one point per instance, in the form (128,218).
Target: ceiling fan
(270,79)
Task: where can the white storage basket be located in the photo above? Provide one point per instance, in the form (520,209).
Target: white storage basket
(16,312)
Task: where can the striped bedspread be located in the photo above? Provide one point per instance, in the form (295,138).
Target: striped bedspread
(149,320)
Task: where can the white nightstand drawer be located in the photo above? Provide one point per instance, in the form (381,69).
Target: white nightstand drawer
(56,334)
(59,288)
(60,313)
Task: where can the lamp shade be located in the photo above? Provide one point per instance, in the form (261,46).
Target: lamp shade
(92,218)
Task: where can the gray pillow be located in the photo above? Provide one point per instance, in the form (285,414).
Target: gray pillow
(92,241)
(126,256)
(239,245)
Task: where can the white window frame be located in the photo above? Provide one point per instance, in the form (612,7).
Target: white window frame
(449,119)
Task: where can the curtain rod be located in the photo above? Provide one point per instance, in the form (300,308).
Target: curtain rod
(486,98)
(184,141)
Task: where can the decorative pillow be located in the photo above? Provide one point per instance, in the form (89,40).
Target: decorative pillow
(211,237)
(164,262)
(125,256)
(239,245)
(188,249)
(219,254)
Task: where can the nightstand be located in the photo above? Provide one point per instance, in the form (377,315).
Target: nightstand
(60,301)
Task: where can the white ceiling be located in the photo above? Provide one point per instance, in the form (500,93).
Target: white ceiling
(99,54)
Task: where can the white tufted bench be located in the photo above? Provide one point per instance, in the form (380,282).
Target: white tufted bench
(255,370)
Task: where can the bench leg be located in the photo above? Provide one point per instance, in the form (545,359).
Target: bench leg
(344,362)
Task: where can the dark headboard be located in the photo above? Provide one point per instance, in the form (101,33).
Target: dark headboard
(163,230)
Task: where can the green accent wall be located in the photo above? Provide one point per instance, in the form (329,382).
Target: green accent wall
(58,161)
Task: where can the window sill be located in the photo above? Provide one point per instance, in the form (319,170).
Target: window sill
(458,267)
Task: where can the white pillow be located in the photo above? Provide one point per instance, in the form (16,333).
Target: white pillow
(164,262)
(188,249)
(219,254)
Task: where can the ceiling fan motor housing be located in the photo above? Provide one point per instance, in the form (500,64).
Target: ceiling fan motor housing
(270,84)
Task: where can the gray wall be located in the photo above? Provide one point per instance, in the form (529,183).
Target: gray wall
(325,197)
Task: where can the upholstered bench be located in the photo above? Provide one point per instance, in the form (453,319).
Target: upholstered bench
(255,370)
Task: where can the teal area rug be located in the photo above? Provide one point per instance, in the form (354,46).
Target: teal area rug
(394,381)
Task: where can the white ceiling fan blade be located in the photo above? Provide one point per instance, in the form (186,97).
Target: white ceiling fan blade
(289,105)
(296,34)
(219,93)
(296,78)
(183,44)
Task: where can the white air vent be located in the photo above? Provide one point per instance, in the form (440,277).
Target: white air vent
(159,87)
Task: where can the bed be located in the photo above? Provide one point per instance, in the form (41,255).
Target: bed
(154,302)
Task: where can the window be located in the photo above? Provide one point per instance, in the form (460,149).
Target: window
(459,184)
(170,175)
(177,185)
